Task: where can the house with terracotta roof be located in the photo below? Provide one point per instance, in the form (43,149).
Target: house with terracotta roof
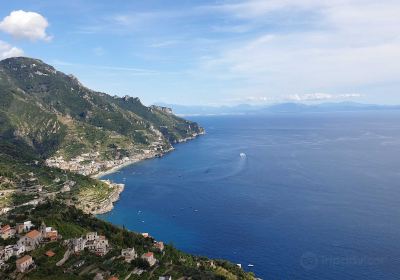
(6,232)
(149,257)
(24,263)
(31,240)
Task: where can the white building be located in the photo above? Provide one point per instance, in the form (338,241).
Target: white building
(78,244)
(91,236)
(128,254)
(95,243)
(24,227)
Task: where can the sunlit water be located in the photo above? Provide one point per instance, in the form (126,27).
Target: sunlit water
(316,197)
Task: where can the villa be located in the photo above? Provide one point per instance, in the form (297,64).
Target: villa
(7,232)
(31,240)
(24,263)
(128,254)
(149,257)
(95,243)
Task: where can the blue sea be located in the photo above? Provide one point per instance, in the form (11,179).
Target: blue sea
(316,197)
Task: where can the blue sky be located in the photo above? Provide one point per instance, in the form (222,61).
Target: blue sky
(215,52)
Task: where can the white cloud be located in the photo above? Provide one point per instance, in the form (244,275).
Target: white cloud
(351,45)
(25,25)
(7,51)
(256,8)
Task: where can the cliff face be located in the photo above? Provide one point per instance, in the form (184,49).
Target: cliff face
(52,114)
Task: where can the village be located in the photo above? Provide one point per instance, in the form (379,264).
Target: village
(92,164)
(29,237)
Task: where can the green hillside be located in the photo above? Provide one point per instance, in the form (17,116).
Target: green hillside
(52,112)
(46,114)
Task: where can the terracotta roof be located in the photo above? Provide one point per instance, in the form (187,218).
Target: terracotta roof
(6,227)
(50,253)
(113,278)
(148,254)
(24,259)
(33,234)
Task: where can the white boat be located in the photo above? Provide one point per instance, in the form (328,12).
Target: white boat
(250,265)
(242,155)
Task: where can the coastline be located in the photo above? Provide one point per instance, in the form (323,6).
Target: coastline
(117,167)
(129,162)
(114,197)
(108,204)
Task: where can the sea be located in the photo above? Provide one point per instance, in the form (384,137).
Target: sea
(313,195)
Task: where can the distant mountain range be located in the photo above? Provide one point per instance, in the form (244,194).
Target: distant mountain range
(276,108)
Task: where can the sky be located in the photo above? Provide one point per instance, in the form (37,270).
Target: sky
(215,52)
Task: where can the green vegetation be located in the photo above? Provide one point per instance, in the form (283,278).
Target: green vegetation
(53,114)
(72,222)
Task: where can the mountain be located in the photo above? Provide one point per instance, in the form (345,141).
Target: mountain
(53,130)
(288,107)
(52,113)
(47,117)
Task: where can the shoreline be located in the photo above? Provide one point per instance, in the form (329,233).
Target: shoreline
(129,162)
(114,197)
